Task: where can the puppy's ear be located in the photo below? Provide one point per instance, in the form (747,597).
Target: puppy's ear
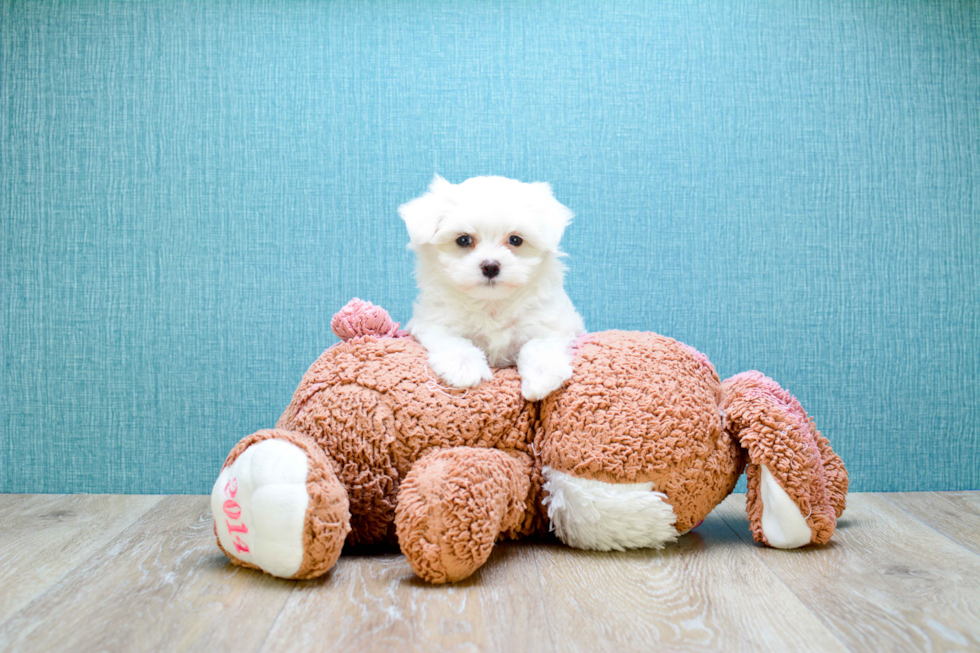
(555,216)
(423,214)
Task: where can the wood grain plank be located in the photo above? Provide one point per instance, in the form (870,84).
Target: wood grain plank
(162,584)
(954,514)
(7,501)
(885,582)
(42,537)
(376,603)
(706,592)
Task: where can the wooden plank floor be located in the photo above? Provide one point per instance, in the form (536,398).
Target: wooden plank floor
(135,573)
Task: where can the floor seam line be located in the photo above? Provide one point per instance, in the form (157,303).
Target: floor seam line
(160,499)
(757,556)
(544,597)
(925,523)
(276,620)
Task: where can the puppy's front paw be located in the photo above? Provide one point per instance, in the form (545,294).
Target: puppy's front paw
(463,368)
(541,377)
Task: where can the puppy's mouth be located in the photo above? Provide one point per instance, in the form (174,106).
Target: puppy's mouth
(497,283)
(489,285)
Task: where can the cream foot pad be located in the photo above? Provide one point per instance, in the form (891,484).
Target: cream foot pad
(259,504)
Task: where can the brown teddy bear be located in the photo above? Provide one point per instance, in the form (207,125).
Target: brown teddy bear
(637,448)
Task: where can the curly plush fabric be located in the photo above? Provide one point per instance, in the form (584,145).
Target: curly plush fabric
(361,318)
(373,405)
(396,456)
(776,432)
(642,407)
(327,516)
(453,506)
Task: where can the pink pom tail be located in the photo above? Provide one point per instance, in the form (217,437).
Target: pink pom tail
(360,318)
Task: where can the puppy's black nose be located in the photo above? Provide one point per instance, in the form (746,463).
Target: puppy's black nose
(490,269)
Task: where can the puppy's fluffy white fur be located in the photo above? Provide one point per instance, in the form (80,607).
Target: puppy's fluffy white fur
(469,321)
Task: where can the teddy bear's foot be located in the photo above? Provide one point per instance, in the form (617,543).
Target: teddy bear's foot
(279,507)
(796,484)
(452,506)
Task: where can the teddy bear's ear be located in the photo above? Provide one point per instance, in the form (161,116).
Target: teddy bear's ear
(555,216)
(423,214)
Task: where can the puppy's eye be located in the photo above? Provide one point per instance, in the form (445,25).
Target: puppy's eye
(515,240)
(464,241)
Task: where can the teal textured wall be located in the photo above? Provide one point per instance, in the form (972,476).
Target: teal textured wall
(190,190)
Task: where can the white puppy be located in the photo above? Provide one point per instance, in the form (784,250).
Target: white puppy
(490,282)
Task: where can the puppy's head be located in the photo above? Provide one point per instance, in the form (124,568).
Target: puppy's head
(488,236)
